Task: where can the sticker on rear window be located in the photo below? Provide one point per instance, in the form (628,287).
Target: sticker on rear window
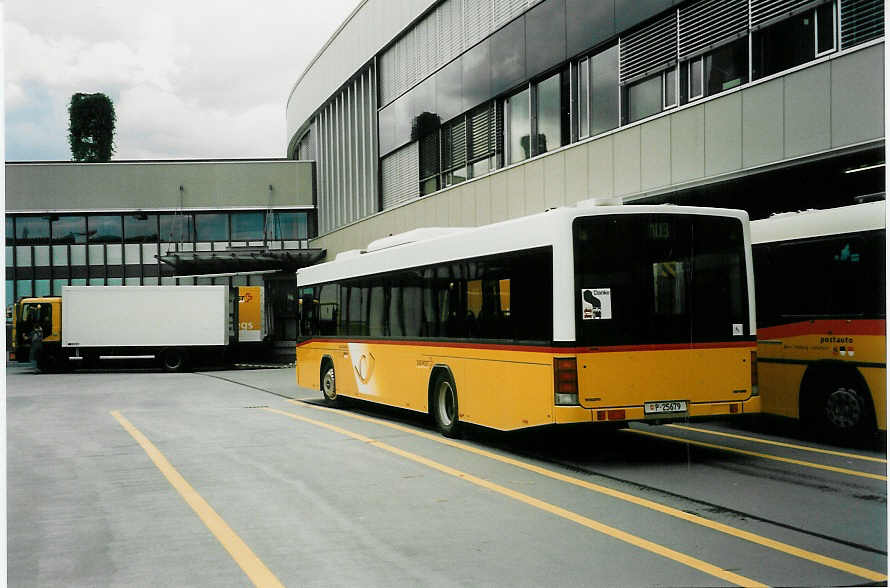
(737,330)
(596,303)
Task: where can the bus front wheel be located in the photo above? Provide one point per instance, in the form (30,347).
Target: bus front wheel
(444,405)
(329,385)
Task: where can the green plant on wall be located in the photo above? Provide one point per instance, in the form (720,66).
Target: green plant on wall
(91,121)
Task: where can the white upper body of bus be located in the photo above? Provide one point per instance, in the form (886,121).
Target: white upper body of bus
(552,228)
(789,226)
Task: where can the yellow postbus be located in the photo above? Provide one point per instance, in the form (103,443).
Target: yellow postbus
(821,300)
(582,314)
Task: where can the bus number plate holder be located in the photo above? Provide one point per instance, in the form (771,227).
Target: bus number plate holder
(664,407)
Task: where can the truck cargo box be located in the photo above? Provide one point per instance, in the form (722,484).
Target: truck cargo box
(144,316)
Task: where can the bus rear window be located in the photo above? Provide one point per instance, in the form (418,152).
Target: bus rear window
(659,279)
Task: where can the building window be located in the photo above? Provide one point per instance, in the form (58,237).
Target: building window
(141,228)
(551,114)
(518,126)
(32,230)
(247,226)
(794,41)
(104,229)
(645,97)
(289,226)
(212,227)
(719,70)
(69,229)
(177,228)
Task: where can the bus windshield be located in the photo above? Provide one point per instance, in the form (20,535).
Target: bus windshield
(658,278)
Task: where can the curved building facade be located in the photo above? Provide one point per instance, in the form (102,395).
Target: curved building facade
(464,112)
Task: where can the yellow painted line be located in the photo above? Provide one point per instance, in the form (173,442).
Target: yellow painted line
(258,573)
(780,444)
(667,510)
(800,462)
(574,517)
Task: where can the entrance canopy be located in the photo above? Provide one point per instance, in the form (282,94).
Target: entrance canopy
(240,260)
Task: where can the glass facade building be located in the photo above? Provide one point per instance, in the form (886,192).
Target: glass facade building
(473,86)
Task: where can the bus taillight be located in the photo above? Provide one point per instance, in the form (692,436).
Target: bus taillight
(755,387)
(565,372)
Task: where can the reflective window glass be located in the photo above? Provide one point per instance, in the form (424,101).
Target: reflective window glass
(23,288)
(783,45)
(32,229)
(670,88)
(141,228)
(10,260)
(131,281)
(132,254)
(386,129)
(289,226)
(449,90)
(212,227)
(825,16)
(23,255)
(10,232)
(549,115)
(644,98)
(508,56)
(583,98)
(60,255)
(247,226)
(114,255)
(545,36)
(97,281)
(604,91)
(588,24)
(78,282)
(69,229)
(78,255)
(519,126)
(104,229)
(177,228)
(57,286)
(10,293)
(97,254)
(726,67)
(476,75)
(149,251)
(42,288)
(41,255)
(115,281)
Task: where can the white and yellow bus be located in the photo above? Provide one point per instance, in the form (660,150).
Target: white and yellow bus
(822,327)
(588,314)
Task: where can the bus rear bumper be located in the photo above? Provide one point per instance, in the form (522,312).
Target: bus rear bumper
(579,414)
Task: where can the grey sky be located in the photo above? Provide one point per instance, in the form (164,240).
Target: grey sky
(189,79)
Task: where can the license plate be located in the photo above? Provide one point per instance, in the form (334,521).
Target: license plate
(664,406)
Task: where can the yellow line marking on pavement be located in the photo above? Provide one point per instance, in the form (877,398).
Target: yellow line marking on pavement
(661,550)
(667,510)
(799,462)
(780,444)
(258,573)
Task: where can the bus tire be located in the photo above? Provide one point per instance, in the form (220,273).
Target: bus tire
(329,384)
(840,406)
(173,360)
(443,405)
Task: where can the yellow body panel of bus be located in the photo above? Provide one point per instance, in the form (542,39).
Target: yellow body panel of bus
(786,352)
(512,388)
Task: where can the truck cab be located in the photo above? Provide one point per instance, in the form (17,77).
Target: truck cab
(36,322)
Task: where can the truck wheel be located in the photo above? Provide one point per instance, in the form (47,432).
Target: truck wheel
(173,360)
(444,405)
(329,385)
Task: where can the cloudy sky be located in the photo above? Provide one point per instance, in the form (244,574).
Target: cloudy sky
(188,78)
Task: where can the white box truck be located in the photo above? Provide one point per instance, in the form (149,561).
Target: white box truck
(173,324)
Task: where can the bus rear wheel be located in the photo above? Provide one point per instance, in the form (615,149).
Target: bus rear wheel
(443,405)
(842,410)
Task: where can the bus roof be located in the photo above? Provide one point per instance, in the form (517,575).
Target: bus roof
(547,229)
(788,226)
